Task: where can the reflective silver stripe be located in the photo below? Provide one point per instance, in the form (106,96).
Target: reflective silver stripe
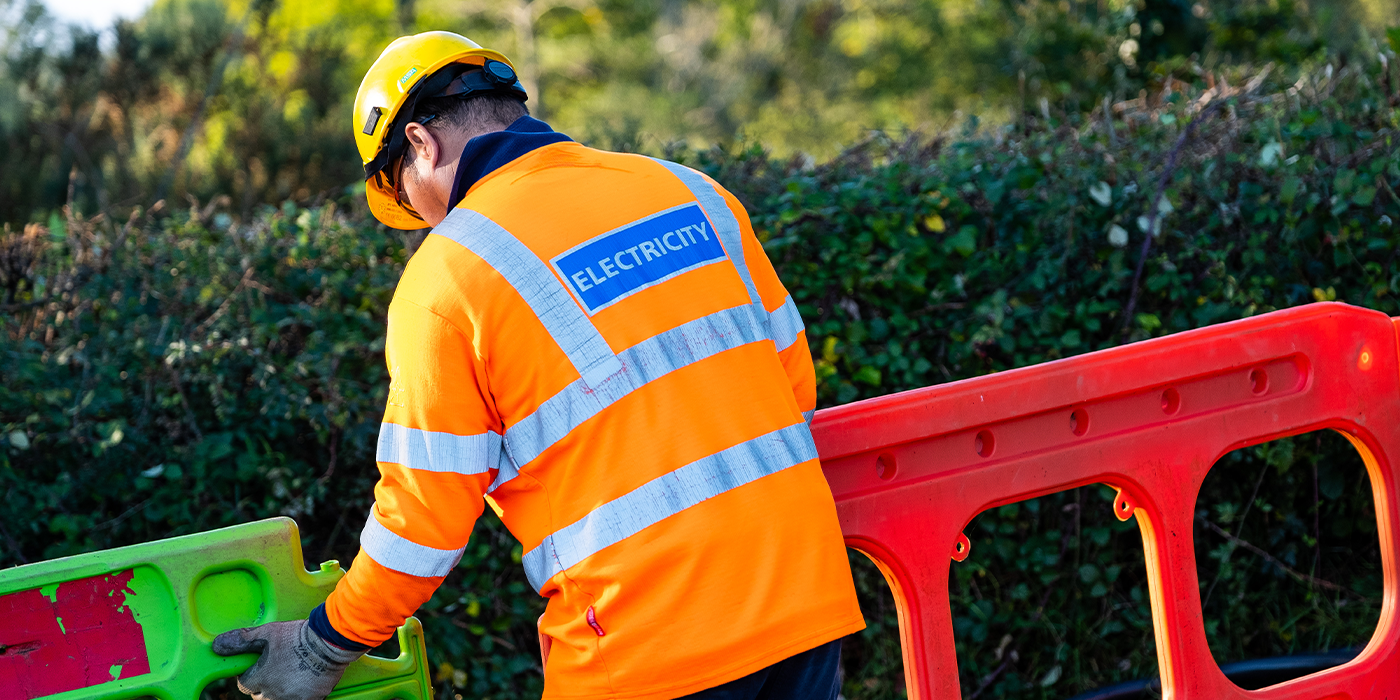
(809,415)
(668,495)
(784,323)
(508,471)
(438,452)
(725,225)
(541,290)
(403,555)
(644,362)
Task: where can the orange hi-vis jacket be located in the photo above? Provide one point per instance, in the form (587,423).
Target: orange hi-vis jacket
(597,344)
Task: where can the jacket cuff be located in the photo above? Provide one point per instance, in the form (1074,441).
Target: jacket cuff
(321,625)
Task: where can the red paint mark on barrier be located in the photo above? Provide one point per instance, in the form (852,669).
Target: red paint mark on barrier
(76,635)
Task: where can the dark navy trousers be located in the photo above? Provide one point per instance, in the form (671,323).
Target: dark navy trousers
(811,675)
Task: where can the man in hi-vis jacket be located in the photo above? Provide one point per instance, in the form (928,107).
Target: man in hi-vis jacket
(596,345)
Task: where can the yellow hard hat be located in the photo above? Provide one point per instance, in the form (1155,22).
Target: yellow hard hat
(397,79)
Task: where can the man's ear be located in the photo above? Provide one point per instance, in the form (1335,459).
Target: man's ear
(426,148)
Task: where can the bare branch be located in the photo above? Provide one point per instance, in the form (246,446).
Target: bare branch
(1312,580)
(1168,170)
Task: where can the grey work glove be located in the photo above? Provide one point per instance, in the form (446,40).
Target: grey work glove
(295,663)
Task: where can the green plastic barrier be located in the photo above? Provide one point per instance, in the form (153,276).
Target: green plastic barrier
(138,621)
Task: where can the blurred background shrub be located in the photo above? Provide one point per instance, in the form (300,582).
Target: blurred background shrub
(251,98)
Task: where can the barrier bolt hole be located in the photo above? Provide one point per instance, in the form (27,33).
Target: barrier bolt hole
(1364,361)
(1259,380)
(1079,421)
(985,443)
(1171,401)
(1123,506)
(885,466)
(962,547)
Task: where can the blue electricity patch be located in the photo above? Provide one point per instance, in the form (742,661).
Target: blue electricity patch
(643,253)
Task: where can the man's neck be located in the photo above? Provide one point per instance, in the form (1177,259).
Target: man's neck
(488,151)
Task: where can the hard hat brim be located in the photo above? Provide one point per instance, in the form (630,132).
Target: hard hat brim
(384,204)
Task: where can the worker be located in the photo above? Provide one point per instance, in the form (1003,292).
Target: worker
(596,345)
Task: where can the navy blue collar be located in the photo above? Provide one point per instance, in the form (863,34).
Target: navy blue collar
(487,152)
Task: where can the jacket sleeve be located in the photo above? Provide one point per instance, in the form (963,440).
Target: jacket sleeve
(439,448)
(784,322)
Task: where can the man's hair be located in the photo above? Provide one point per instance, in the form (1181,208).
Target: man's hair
(485,112)
(489,112)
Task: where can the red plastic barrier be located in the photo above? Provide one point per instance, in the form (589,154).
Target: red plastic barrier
(911,470)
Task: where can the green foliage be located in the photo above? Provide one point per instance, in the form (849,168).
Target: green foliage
(172,389)
(1308,502)
(918,262)
(251,98)
(183,371)
(1053,599)
(196,97)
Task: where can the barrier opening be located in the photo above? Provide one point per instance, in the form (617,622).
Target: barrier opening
(1053,600)
(221,689)
(390,649)
(1288,557)
(872,661)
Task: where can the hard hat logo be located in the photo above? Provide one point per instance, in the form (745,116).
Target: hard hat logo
(409,69)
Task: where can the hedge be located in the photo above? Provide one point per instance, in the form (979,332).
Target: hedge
(181,371)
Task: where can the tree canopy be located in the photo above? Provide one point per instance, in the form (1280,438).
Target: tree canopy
(251,98)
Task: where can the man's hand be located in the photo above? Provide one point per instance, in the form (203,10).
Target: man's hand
(295,663)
